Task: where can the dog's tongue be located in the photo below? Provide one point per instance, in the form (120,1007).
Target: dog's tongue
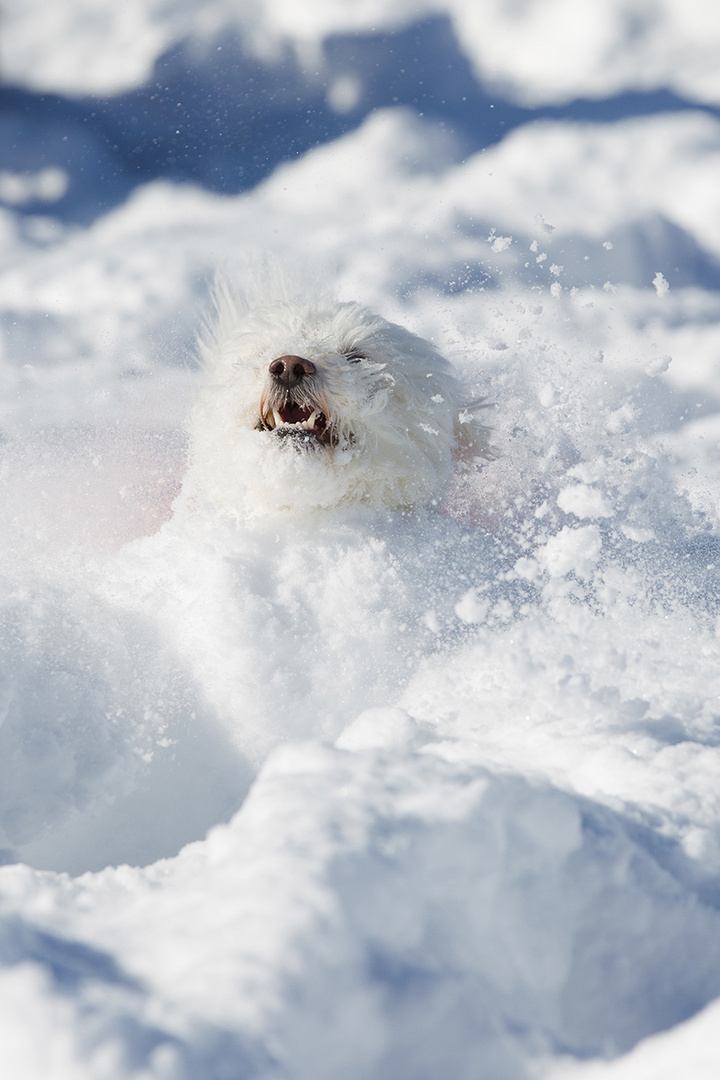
(293,414)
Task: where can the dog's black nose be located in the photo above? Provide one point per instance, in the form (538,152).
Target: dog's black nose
(290,370)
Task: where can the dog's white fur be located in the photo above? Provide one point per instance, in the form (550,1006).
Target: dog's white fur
(396,416)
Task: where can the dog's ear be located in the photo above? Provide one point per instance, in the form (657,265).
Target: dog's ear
(472,439)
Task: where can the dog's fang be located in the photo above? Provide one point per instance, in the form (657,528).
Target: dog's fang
(278,418)
(268,421)
(311,419)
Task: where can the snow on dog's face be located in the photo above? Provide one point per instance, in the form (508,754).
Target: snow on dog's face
(311,405)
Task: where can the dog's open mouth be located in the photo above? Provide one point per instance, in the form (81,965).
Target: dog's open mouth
(299,421)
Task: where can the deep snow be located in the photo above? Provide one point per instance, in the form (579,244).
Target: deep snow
(397,795)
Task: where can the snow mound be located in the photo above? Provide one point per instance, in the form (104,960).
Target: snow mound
(382,913)
(539,53)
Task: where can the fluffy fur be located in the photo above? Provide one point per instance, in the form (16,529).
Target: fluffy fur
(368,413)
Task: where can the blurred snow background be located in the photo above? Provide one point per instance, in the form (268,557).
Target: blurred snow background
(459,771)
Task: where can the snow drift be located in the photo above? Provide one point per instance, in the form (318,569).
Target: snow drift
(376,794)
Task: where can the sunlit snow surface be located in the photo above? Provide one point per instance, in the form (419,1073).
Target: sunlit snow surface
(400,795)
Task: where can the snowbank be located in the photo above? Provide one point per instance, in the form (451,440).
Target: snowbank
(401,795)
(373,914)
(544,52)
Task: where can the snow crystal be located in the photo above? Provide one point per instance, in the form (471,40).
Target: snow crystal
(584,502)
(500,243)
(572,550)
(661,285)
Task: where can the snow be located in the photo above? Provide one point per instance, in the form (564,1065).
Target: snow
(691,1050)
(661,285)
(368,794)
(539,51)
(557,50)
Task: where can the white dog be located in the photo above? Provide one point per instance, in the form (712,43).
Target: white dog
(318,404)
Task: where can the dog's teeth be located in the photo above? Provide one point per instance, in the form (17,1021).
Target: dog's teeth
(278,418)
(311,420)
(269,422)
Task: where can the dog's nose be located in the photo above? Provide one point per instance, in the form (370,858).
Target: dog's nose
(290,370)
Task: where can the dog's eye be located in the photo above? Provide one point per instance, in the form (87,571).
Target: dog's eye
(353,356)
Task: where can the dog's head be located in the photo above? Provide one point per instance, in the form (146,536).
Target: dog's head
(319,404)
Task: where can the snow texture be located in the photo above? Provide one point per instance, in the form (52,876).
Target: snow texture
(362,790)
